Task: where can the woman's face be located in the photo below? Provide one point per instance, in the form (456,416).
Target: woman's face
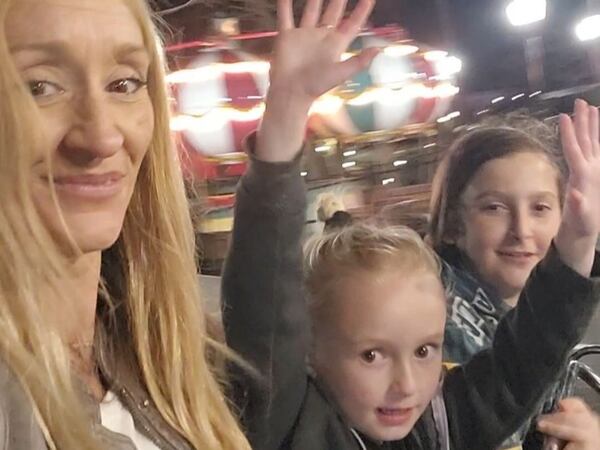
(86,65)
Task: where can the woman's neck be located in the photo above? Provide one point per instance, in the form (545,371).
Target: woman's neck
(77,319)
(76,312)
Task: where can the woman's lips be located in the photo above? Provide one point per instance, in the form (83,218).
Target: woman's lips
(90,186)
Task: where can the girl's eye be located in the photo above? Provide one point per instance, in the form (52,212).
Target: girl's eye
(126,86)
(369,356)
(422,352)
(494,207)
(41,89)
(542,207)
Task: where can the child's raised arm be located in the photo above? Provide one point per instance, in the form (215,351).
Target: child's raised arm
(578,233)
(264,312)
(306,64)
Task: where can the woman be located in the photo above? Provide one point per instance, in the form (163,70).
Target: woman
(103,342)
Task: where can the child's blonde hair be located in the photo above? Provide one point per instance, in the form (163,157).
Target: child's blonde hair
(361,248)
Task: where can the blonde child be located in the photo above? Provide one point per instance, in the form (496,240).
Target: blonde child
(376,303)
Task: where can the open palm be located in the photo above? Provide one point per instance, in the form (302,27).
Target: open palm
(306,63)
(581,148)
(307,58)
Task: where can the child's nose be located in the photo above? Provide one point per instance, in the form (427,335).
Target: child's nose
(521,225)
(404,381)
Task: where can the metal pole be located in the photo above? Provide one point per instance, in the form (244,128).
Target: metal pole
(534,61)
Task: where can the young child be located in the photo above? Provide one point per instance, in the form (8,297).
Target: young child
(496,206)
(377,305)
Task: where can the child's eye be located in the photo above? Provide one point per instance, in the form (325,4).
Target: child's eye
(542,207)
(494,207)
(424,351)
(369,356)
(43,89)
(126,86)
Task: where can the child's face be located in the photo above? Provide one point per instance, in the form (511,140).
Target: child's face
(379,349)
(511,213)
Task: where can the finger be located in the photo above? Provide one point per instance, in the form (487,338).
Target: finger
(285,15)
(562,430)
(595,130)
(350,67)
(312,11)
(573,404)
(582,127)
(357,19)
(570,146)
(334,12)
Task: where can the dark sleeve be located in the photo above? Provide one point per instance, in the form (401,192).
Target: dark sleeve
(500,388)
(263,303)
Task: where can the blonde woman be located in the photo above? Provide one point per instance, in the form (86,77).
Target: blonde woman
(103,342)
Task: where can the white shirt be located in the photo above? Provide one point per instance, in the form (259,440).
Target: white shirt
(115,417)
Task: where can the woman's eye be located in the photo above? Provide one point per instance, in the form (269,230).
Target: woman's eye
(42,89)
(126,86)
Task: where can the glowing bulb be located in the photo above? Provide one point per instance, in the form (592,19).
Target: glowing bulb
(588,29)
(525,12)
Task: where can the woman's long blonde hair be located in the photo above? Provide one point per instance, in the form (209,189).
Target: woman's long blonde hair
(155,261)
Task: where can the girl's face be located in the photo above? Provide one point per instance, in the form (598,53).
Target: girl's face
(86,66)
(510,214)
(378,349)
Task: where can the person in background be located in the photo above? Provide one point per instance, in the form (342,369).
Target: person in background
(498,198)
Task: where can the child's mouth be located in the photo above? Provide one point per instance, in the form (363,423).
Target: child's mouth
(394,416)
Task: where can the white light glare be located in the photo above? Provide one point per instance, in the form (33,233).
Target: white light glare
(533,94)
(449,117)
(589,28)
(400,162)
(348,164)
(400,50)
(322,148)
(388,181)
(350,153)
(497,99)
(303,174)
(525,12)
(518,96)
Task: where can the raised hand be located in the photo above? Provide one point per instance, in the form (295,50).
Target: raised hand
(575,424)
(307,63)
(307,58)
(581,213)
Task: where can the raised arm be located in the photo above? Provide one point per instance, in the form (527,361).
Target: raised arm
(264,312)
(263,304)
(500,388)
